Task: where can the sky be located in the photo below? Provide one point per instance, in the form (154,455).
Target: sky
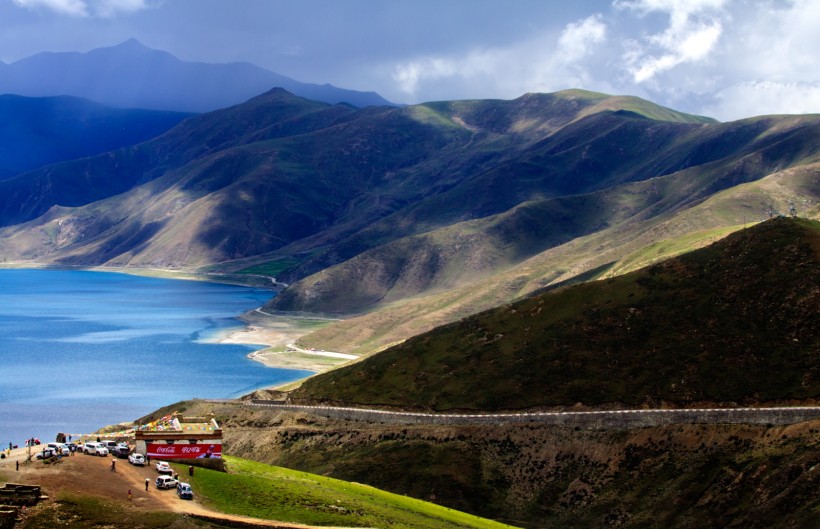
(727,59)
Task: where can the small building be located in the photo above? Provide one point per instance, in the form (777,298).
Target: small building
(175,437)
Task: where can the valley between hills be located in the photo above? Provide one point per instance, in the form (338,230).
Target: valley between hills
(572,250)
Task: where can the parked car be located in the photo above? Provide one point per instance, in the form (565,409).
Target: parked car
(164,468)
(184,491)
(59,448)
(110,445)
(45,453)
(72,446)
(136,459)
(165,482)
(121,452)
(96,449)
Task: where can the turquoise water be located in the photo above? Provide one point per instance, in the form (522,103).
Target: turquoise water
(80,350)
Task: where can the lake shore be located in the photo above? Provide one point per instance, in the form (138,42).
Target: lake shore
(274,331)
(278,332)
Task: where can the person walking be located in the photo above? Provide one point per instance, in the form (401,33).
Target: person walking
(147,481)
(129,494)
(113,465)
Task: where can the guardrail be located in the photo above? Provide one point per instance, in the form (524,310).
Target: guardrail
(631,418)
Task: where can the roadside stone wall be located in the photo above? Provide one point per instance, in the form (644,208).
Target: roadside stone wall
(613,419)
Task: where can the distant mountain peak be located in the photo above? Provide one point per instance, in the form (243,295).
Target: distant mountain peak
(131,44)
(132,75)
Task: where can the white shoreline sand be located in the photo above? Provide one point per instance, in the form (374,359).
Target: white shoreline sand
(278,335)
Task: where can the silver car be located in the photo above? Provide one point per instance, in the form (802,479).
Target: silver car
(165,482)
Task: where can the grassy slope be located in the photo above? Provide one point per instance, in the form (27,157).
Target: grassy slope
(259,490)
(732,322)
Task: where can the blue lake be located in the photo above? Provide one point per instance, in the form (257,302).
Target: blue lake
(80,350)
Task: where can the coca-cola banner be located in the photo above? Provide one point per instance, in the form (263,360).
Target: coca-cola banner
(183,450)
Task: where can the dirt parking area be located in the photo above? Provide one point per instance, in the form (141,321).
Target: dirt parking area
(91,475)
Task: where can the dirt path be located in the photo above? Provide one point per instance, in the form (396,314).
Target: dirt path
(92,475)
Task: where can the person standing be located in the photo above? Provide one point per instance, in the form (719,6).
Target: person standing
(147,481)
(129,494)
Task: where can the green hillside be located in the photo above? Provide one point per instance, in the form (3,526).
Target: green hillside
(734,322)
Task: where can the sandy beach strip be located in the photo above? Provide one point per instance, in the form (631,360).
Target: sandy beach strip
(279,333)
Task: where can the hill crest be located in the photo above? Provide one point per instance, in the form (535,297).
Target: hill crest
(731,323)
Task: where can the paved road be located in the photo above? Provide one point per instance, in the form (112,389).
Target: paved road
(630,417)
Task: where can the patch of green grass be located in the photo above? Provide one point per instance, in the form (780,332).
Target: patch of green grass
(264,491)
(271,268)
(665,249)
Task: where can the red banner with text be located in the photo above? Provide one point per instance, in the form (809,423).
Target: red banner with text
(184,451)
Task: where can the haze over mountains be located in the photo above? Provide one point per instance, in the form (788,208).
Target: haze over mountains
(130,75)
(37,131)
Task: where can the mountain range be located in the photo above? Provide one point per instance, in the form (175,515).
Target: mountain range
(131,75)
(410,217)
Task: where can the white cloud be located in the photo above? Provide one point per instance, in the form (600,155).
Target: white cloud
(86,8)
(579,38)
(410,74)
(63,7)
(693,31)
(110,8)
(539,63)
(766,97)
(768,63)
